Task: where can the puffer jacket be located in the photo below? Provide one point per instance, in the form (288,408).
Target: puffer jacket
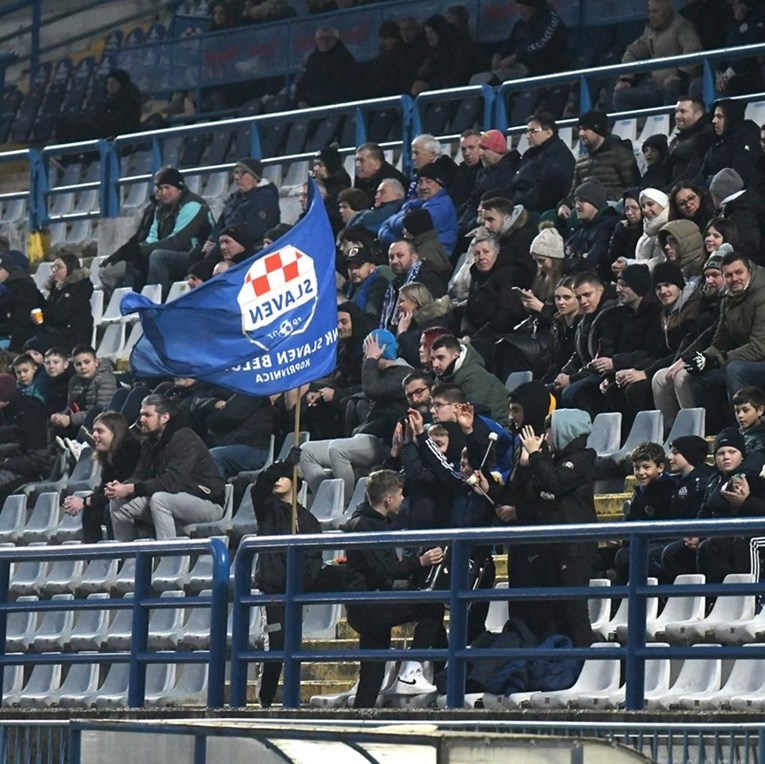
(687,150)
(19,296)
(180,227)
(740,334)
(83,394)
(544,175)
(67,312)
(612,163)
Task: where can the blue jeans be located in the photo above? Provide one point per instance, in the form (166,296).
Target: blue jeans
(232,460)
(167,266)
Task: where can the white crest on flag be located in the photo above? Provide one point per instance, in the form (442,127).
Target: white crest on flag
(279,295)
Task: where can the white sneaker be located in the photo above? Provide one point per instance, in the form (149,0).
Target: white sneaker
(75,447)
(411,680)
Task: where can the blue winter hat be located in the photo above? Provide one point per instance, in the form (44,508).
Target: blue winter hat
(388,339)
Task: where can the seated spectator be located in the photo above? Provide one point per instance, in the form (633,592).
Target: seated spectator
(459,364)
(689,201)
(19,297)
(372,167)
(546,168)
(67,316)
(494,303)
(537,45)
(666,34)
(329,72)
(607,159)
(414,46)
(90,390)
(736,490)
(734,359)
(378,569)
(272,496)
(447,61)
(745,207)
(30,376)
(563,325)
(682,245)
(694,135)
(736,146)
(626,233)
(176,481)
(466,174)
(390,72)
(548,254)
(654,151)
(351,202)
(655,207)
(255,204)
(180,221)
(432,196)
(117,451)
(327,166)
(741,75)
(25,453)
(587,248)
(651,501)
(366,282)
(239,433)
(267,10)
(58,373)
(382,375)
(717,232)
(407,267)
(711,20)
(495,178)
(511,225)
(418,228)
(426,149)
(417,310)
(749,409)
(389,198)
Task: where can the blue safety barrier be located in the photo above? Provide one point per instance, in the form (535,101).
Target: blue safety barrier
(144,553)
(458,597)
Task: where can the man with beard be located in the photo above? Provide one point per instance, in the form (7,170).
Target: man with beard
(693,138)
(366,283)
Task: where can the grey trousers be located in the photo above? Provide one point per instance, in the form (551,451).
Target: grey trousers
(163,511)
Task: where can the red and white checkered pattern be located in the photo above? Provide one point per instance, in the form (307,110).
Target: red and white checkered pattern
(276,270)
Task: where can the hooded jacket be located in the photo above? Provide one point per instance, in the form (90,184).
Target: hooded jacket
(19,296)
(435,314)
(613,163)
(564,482)
(544,175)
(515,239)
(442,213)
(737,148)
(383,386)
(479,385)
(67,312)
(429,248)
(747,210)
(740,333)
(687,150)
(691,254)
(642,338)
(496,178)
(177,462)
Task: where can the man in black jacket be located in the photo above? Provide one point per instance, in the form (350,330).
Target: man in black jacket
(376,569)
(272,502)
(372,167)
(694,137)
(176,478)
(19,296)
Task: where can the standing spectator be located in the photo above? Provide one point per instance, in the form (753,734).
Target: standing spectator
(67,316)
(666,34)
(329,73)
(546,169)
(736,146)
(19,296)
(693,138)
(175,482)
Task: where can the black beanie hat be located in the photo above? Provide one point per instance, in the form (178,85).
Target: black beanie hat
(418,221)
(241,233)
(282,469)
(658,142)
(597,121)
(169,176)
(433,172)
(637,278)
(330,155)
(251,165)
(692,447)
(668,273)
(730,436)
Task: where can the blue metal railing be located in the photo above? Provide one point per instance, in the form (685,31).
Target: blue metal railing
(494,114)
(139,657)
(459,596)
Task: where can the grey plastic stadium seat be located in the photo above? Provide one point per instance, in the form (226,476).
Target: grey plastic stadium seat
(13,681)
(64,576)
(43,520)
(28,577)
(44,679)
(79,685)
(647,427)
(606,433)
(20,628)
(196,631)
(172,572)
(201,574)
(114,690)
(190,688)
(496,617)
(359,495)
(244,521)
(121,629)
(697,678)
(616,627)
(91,627)
(745,688)
(687,422)
(99,576)
(516,379)
(55,627)
(166,624)
(599,608)
(124,581)
(13,517)
(216,527)
(320,620)
(329,503)
(684,609)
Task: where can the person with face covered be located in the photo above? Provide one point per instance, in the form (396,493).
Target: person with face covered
(272,501)
(683,246)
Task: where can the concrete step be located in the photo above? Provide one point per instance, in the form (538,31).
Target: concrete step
(609,506)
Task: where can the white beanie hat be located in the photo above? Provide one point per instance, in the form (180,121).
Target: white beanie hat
(655,196)
(548,243)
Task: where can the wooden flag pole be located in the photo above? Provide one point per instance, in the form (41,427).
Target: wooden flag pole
(295,466)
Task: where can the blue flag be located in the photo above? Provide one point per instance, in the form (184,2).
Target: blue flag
(262,327)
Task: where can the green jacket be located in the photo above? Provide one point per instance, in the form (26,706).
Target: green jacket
(740,333)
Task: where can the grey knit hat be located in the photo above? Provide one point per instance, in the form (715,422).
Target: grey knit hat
(548,243)
(726,183)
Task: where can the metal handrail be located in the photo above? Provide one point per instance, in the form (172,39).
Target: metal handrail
(459,596)
(139,657)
